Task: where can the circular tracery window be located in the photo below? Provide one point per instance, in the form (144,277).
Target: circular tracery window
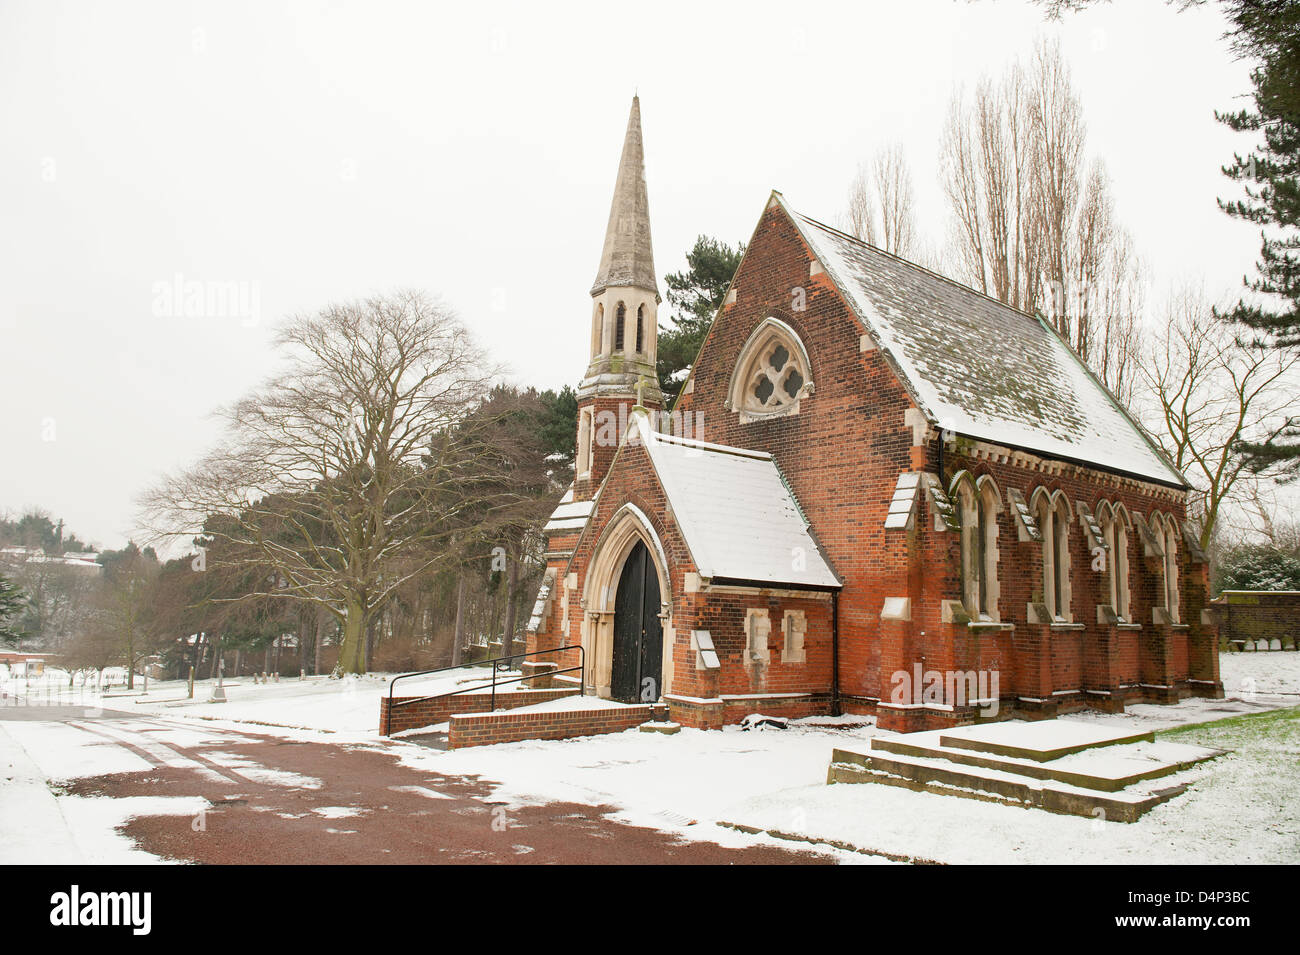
(772,374)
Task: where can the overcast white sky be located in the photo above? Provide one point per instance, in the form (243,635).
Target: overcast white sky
(321,151)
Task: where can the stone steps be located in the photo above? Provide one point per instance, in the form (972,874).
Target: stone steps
(1112,777)
(1102,771)
(1042,740)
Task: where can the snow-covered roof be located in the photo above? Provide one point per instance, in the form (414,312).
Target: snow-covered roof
(541,606)
(739,518)
(980,368)
(569,515)
(37,555)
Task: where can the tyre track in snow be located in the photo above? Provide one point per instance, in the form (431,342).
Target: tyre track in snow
(366,807)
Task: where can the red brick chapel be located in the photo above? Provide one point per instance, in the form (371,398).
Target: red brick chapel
(880,492)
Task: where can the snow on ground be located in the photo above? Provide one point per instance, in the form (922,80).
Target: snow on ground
(1217,821)
(679,783)
(1271,672)
(571,704)
(35,829)
(349,705)
(1238,810)
(96,822)
(775,780)
(64,752)
(339,812)
(46,828)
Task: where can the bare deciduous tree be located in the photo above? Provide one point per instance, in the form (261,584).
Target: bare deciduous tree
(1264,514)
(987,169)
(1201,393)
(345,476)
(881,204)
(125,605)
(1057,134)
(1030,228)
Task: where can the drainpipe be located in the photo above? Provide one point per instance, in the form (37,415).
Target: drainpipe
(835,653)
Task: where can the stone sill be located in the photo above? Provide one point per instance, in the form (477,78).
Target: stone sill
(990,625)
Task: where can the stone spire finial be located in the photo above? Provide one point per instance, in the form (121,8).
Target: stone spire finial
(627,259)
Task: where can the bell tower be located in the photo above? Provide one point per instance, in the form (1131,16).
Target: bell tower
(624,321)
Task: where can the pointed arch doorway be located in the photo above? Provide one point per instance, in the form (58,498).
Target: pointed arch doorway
(636,671)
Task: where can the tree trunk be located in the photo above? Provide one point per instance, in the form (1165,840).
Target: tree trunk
(371,631)
(320,639)
(352,650)
(304,622)
(238,655)
(458,639)
(512,607)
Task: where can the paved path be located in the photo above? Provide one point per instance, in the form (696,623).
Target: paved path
(279,801)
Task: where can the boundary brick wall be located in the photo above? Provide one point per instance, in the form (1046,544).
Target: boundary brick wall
(1258,615)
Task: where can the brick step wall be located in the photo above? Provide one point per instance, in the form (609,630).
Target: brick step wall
(429,712)
(484,729)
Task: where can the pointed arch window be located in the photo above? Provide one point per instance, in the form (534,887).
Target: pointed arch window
(1166,530)
(640,330)
(978,505)
(773,373)
(1053,515)
(1115,527)
(620,317)
(586,447)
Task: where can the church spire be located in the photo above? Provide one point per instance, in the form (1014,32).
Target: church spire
(625,300)
(627,260)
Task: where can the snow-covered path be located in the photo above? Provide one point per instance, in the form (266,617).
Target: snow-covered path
(143,789)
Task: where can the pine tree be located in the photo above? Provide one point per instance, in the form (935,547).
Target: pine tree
(12,604)
(1270,33)
(1267,31)
(695,295)
(559,425)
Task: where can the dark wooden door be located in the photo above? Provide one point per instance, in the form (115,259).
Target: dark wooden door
(638,633)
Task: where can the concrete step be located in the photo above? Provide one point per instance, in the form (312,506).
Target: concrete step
(928,774)
(1043,740)
(1110,768)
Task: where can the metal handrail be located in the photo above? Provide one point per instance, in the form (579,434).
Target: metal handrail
(581,667)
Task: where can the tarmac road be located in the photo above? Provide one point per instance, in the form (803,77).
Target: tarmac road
(275,801)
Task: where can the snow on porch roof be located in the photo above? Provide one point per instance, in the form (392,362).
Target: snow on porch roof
(979,367)
(740,520)
(569,515)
